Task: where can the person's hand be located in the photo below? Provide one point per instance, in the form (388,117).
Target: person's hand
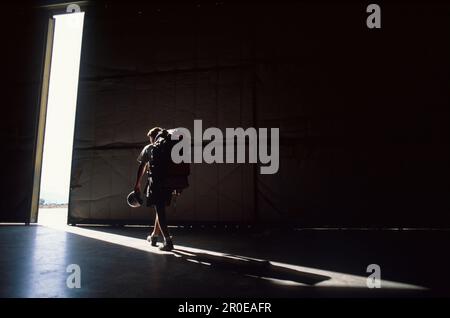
(137,189)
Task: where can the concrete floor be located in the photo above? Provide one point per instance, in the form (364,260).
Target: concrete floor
(117,262)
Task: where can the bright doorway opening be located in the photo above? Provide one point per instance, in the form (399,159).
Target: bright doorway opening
(60,118)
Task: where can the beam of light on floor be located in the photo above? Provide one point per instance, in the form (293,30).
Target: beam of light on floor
(337,279)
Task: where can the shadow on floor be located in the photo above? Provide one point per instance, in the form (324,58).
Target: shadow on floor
(250,267)
(35,266)
(411,257)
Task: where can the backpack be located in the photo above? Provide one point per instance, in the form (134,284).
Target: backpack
(173,176)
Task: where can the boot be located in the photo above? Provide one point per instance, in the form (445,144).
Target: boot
(167,246)
(153,239)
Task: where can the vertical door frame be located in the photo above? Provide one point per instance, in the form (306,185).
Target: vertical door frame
(42,114)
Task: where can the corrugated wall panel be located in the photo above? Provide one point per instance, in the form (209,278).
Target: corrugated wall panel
(363,129)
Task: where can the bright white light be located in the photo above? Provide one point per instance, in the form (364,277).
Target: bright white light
(62,99)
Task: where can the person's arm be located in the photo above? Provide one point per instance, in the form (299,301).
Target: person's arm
(141,170)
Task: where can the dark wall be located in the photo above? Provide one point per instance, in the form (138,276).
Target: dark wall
(164,67)
(363,114)
(23,33)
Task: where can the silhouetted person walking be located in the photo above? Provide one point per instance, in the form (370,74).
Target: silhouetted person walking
(154,160)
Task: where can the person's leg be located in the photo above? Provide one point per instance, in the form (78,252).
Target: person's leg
(159,228)
(161,218)
(153,237)
(161,211)
(156,227)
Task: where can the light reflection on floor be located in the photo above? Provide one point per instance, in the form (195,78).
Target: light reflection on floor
(56,219)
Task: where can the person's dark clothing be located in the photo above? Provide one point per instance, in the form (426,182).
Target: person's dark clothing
(156,156)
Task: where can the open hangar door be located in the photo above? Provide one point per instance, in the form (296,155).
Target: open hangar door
(367,151)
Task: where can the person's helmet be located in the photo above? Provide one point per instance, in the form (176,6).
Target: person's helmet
(134,199)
